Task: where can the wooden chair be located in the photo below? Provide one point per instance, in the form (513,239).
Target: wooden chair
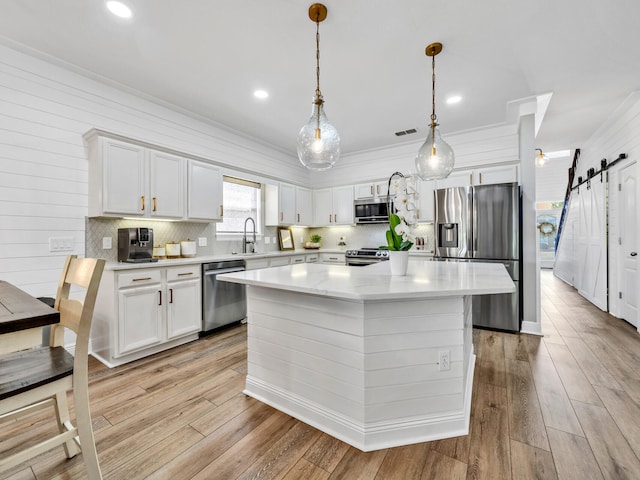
(41,377)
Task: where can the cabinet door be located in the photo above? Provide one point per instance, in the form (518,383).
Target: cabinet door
(364,191)
(323,207)
(381,188)
(500,174)
(343,205)
(123,179)
(184,308)
(287,204)
(426,203)
(304,206)
(462,178)
(205,192)
(166,185)
(139,318)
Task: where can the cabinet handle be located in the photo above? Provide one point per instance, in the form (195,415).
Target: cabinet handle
(160,297)
(171,295)
(281,216)
(142,200)
(378,189)
(335,218)
(329,218)
(298,218)
(418,213)
(186,273)
(333,258)
(222,210)
(141,279)
(480,178)
(471,179)
(371,188)
(155,204)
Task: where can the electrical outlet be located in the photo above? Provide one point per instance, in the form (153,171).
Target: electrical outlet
(61,244)
(267,240)
(202,241)
(444,360)
(106,243)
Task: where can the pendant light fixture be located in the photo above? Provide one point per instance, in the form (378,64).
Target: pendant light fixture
(318,140)
(435,159)
(541,158)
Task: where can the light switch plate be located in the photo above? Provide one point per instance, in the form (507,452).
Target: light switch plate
(61,244)
(202,241)
(106,243)
(267,240)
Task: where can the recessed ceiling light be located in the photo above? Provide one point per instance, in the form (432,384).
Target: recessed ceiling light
(261,94)
(454,99)
(119,9)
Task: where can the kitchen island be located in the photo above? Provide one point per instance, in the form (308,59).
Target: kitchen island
(372,359)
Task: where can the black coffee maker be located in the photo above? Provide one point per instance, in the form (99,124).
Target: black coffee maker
(135,245)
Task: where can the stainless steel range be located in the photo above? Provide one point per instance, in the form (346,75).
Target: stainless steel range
(365,256)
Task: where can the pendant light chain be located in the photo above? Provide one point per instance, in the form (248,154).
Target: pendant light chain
(433,90)
(318,94)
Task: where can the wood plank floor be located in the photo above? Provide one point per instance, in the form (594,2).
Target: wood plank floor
(566,405)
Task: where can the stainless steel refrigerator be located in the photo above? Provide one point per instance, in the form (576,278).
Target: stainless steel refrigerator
(482,224)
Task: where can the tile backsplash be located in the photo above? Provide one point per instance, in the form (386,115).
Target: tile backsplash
(164,232)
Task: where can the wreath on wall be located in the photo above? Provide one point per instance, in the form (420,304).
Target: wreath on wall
(547,229)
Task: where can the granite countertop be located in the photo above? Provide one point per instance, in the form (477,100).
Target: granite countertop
(425,279)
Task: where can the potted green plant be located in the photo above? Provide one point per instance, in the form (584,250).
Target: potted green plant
(314,241)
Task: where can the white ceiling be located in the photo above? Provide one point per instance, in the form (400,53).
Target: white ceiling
(208,56)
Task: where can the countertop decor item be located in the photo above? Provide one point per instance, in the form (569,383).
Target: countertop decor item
(402,223)
(188,248)
(172,249)
(314,241)
(435,159)
(318,140)
(159,252)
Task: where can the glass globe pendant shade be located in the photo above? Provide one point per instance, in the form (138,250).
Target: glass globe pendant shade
(318,141)
(435,159)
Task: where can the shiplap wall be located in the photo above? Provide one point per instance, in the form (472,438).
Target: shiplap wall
(552,179)
(491,145)
(44,111)
(618,134)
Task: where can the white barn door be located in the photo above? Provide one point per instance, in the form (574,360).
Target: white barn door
(628,245)
(591,261)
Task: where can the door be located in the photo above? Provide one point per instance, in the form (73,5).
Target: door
(287,204)
(166,185)
(547,224)
(183,308)
(343,205)
(323,207)
(304,206)
(453,223)
(205,191)
(496,219)
(139,318)
(123,178)
(629,244)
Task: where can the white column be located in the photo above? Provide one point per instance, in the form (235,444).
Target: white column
(530,247)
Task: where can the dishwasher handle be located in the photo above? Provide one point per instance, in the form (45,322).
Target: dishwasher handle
(223,270)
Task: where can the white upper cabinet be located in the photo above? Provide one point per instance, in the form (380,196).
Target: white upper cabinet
(130,179)
(304,206)
(118,183)
(333,206)
(492,175)
(480,176)
(426,201)
(204,186)
(364,191)
(287,204)
(166,185)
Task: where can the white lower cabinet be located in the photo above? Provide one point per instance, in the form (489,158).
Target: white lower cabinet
(143,311)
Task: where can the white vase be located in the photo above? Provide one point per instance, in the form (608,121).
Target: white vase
(398,261)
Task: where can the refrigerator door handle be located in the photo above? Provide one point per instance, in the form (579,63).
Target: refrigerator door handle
(474,225)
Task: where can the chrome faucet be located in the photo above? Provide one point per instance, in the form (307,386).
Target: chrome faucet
(246,242)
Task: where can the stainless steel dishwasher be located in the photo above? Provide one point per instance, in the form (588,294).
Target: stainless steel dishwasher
(223,303)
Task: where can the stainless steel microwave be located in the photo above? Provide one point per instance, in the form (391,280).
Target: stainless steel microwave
(368,211)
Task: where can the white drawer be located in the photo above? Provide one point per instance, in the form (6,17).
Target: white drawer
(183,273)
(257,263)
(279,261)
(298,259)
(311,258)
(139,277)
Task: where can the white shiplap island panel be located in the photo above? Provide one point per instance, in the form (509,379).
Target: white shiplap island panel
(354,351)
